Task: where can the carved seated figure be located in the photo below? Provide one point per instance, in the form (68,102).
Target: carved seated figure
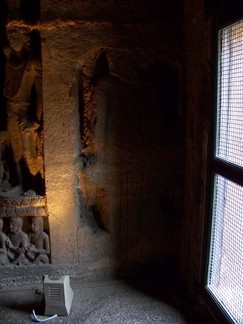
(6,189)
(4,177)
(39,245)
(18,244)
(4,242)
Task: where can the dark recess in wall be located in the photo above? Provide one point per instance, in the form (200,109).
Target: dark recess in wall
(30,10)
(101,69)
(3,19)
(165,83)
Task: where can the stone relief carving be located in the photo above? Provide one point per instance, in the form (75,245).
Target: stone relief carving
(39,245)
(21,248)
(23,95)
(13,202)
(21,153)
(4,243)
(4,177)
(21,150)
(18,242)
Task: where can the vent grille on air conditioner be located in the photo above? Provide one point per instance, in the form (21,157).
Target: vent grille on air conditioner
(54,293)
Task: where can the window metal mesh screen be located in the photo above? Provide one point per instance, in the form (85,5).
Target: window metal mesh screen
(225,276)
(229,145)
(225,272)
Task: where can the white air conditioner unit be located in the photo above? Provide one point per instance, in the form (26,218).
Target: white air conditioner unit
(58,296)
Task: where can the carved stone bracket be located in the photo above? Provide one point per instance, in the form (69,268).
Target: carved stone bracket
(22,206)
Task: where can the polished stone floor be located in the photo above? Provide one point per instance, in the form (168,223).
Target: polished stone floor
(101,302)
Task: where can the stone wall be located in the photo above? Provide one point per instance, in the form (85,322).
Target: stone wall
(113,133)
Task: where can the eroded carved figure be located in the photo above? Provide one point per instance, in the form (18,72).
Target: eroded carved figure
(39,245)
(5,186)
(18,244)
(24,104)
(4,243)
(4,177)
(20,248)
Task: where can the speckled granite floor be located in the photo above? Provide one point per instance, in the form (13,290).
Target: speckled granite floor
(102,302)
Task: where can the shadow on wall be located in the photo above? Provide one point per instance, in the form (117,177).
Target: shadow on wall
(3,19)
(27,10)
(131,175)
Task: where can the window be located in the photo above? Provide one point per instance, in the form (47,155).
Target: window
(225,261)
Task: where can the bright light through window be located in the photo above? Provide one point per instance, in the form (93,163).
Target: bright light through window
(230,99)
(225,271)
(225,278)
